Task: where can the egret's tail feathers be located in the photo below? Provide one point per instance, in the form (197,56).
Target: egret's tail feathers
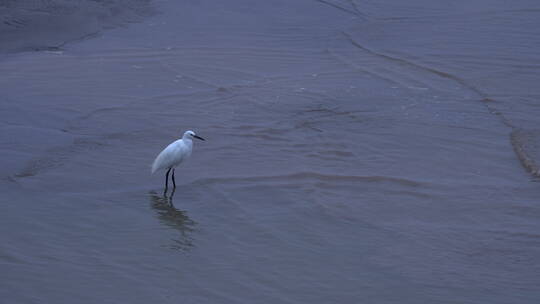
(154,167)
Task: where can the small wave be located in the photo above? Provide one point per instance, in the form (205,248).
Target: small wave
(312,176)
(34,25)
(57,156)
(526,144)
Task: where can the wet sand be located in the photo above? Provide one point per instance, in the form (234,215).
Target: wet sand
(356,151)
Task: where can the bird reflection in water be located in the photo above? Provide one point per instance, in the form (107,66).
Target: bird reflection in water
(174,218)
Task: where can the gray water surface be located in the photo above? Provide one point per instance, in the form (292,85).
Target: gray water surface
(357,152)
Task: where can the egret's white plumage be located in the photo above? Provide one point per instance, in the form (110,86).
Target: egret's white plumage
(174,154)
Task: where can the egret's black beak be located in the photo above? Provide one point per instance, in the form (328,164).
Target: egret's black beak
(198,137)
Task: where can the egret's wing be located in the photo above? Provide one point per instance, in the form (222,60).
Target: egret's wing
(167,158)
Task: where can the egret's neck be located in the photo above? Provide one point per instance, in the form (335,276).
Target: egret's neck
(187,140)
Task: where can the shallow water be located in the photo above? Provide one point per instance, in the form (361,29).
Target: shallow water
(356,151)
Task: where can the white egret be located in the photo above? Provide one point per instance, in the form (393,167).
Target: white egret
(174,154)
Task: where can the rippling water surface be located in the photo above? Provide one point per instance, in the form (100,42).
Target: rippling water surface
(357,151)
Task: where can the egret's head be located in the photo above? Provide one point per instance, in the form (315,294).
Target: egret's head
(190,134)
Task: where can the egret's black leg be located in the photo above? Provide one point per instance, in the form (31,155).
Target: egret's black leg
(167,179)
(173,181)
